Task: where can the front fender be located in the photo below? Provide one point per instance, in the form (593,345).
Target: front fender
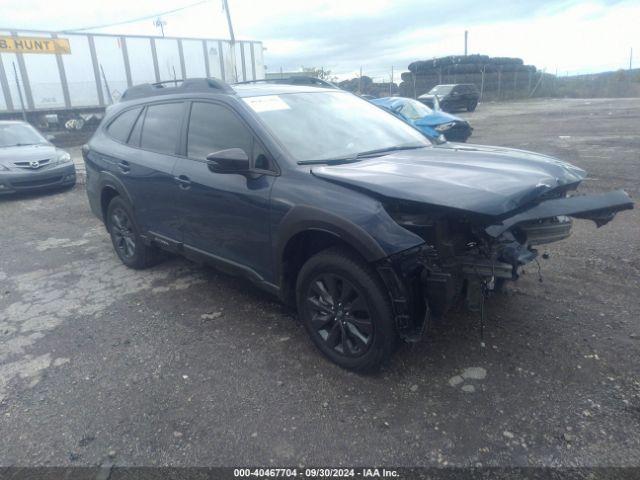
(305,218)
(301,202)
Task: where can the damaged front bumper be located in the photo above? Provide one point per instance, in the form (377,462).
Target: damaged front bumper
(600,208)
(424,282)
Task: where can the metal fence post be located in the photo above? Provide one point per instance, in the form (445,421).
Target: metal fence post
(4,85)
(15,72)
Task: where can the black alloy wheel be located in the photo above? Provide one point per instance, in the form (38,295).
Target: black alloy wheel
(346,309)
(124,238)
(340,315)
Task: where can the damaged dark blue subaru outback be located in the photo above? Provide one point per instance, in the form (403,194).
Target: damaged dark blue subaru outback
(339,208)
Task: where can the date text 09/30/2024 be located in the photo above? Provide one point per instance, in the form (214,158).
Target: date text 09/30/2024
(315,472)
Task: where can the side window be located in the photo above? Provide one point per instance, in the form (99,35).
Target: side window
(162,127)
(213,128)
(119,128)
(134,138)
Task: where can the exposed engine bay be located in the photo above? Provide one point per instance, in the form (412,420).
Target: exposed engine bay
(467,256)
(481,212)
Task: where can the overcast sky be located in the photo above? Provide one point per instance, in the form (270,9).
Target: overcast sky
(343,35)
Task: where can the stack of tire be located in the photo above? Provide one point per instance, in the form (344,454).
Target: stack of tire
(510,73)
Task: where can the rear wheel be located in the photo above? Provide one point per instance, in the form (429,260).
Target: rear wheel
(472,106)
(125,236)
(345,308)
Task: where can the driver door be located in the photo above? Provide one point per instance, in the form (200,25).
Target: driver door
(225,216)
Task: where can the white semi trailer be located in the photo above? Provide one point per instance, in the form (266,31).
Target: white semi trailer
(57,76)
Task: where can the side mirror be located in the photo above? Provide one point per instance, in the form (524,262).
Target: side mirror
(232,160)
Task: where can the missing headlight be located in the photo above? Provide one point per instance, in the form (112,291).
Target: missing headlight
(445,126)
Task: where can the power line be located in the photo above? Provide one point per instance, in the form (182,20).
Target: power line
(139,19)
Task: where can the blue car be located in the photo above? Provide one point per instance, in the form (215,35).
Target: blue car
(434,124)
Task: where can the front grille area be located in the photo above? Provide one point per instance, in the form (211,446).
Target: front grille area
(37,182)
(549,230)
(27,165)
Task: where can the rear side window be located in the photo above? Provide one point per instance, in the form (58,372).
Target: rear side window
(213,128)
(162,127)
(119,128)
(134,138)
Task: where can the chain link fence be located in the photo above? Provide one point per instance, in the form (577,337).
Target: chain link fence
(502,85)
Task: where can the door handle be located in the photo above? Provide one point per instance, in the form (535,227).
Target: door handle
(124,166)
(183,182)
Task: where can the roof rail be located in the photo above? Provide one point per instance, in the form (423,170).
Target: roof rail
(294,80)
(179,85)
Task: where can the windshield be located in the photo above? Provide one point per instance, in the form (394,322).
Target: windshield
(16,134)
(331,125)
(441,89)
(414,109)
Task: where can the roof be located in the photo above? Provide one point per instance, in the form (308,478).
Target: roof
(206,86)
(258,89)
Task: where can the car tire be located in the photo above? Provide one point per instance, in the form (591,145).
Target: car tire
(125,236)
(472,106)
(346,310)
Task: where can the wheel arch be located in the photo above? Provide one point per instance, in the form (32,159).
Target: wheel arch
(109,187)
(306,231)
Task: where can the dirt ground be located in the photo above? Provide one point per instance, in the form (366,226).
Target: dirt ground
(182,365)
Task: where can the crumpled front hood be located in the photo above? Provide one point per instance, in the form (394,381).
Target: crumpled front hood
(487,181)
(438,117)
(26,153)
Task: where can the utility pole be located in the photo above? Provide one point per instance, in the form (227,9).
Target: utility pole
(225,6)
(466,37)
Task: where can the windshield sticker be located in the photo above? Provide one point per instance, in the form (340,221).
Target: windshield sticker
(268,103)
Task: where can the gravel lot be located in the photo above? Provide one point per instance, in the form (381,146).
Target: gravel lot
(183,365)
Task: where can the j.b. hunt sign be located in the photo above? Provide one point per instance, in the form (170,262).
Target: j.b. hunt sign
(10,44)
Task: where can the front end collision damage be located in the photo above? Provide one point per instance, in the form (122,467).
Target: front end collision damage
(479,211)
(465,256)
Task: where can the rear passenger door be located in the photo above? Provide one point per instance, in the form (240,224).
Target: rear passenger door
(148,171)
(225,215)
